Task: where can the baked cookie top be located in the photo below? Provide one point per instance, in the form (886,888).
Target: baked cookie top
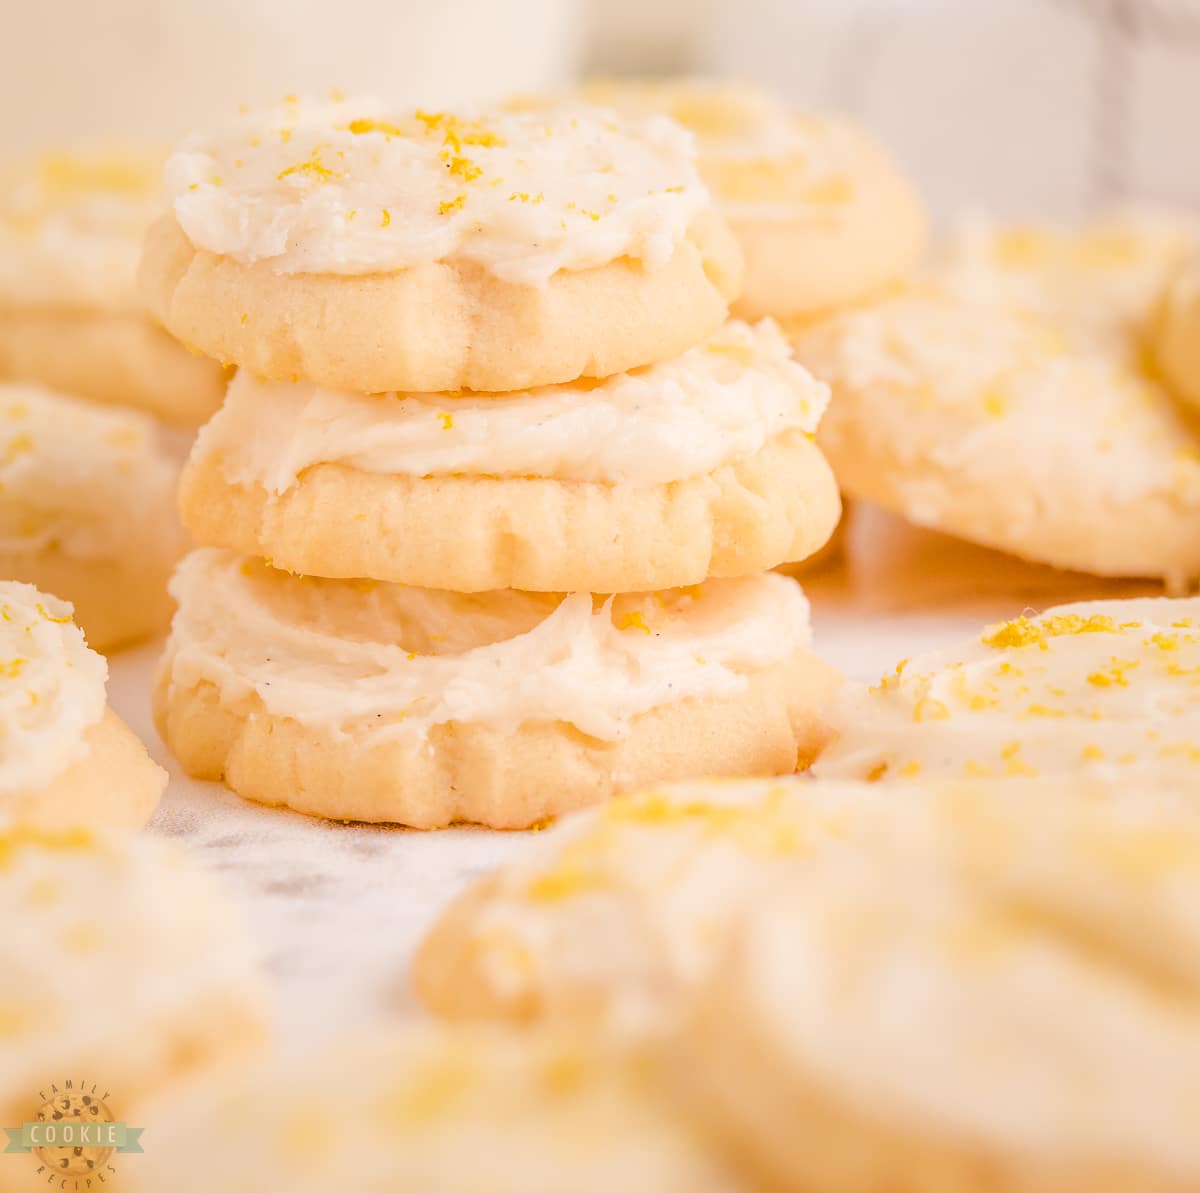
(427,1108)
(71,229)
(82,478)
(52,689)
(349,187)
(722,399)
(1034,961)
(111,944)
(393,660)
(1099,687)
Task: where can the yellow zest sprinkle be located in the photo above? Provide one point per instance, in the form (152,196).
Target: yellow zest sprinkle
(385,218)
(877,772)
(447,420)
(57,620)
(1113,675)
(464,168)
(313,168)
(910,770)
(12,668)
(375,126)
(1029,631)
(245,318)
(633,621)
(451,205)
(994,405)
(1092,753)
(929,709)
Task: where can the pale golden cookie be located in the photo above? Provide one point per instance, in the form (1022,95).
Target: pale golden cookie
(65,758)
(122,970)
(377,702)
(427,1110)
(87,510)
(1099,281)
(369,251)
(1001,992)
(1101,688)
(1176,335)
(985,423)
(616,914)
(823,216)
(696,467)
(70,315)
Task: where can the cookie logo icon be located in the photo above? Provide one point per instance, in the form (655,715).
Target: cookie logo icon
(73,1136)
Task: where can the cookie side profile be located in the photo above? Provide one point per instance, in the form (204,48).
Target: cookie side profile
(364,701)
(696,467)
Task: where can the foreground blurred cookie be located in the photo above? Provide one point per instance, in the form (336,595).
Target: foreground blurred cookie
(432,1111)
(1176,335)
(616,914)
(369,250)
(823,215)
(65,757)
(121,970)
(983,422)
(87,511)
(71,230)
(703,465)
(1099,281)
(1097,688)
(364,701)
(1002,993)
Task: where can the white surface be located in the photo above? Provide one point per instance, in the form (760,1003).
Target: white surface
(338,909)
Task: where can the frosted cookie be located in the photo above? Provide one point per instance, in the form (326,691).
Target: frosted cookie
(87,499)
(617,913)
(983,422)
(377,702)
(1096,688)
(823,216)
(121,965)
(432,1111)
(369,250)
(1100,281)
(1176,335)
(1007,997)
(71,317)
(65,757)
(702,465)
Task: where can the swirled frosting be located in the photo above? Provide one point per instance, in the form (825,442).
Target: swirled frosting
(720,400)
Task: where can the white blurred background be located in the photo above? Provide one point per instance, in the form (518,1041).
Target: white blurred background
(1043,107)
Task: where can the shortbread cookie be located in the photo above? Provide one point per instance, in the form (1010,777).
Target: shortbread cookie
(1176,335)
(376,702)
(71,317)
(617,913)
(87,511)
(823,215)
(700,466)
(65,758)
(428,1110)
(983,422)
(372,251)
(1005,997)
(120,965)
(1100,281)
(1100,688)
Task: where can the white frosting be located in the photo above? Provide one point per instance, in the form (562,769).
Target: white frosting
(723,399)
(51,689)
(71,231)
(114,951)
(625,908)
(82,479)
(348,188)
(761,160)
(384,659)
(1027,987)
(1101,280)
(1001,399)
(426,1107)
(1100,687)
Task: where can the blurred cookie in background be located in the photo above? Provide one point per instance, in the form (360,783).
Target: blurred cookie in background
(71,317)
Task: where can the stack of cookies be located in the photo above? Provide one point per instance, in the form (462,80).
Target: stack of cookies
(486,380)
